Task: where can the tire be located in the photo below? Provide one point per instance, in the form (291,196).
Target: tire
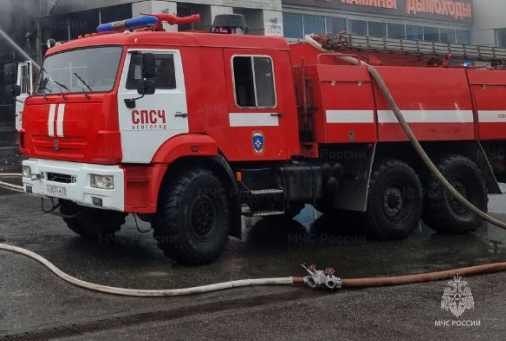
(394,204)
(91,223)
(442,212)
(325,205)
(193,222)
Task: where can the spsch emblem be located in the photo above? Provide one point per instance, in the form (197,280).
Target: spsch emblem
(457,297)
(258,140)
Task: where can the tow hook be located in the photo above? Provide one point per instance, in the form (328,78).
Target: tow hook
(319,279)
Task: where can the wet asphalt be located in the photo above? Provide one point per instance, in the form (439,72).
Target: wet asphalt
(32,299)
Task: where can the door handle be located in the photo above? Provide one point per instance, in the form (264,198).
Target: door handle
(181,114)
(279,114)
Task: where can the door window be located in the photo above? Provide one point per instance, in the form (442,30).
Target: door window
(25,79)
(254,82)
(165,72)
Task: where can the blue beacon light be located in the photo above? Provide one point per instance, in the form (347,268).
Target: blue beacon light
(128,24)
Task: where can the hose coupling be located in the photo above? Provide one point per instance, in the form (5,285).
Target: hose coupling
(319,279)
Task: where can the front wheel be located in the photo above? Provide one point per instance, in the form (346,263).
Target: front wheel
(192,223)
(91,223)
(394,204)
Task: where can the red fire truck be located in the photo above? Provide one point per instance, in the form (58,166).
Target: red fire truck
(189,131)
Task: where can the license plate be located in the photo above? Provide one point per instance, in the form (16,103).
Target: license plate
(57,191)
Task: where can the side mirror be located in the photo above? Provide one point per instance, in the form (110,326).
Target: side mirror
(148,66)
(10,73)
(146,87)
(14,90)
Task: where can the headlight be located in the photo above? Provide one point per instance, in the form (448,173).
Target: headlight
(102,181)
(27,172)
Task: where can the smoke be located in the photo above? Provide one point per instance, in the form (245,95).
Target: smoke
(16,13)
(6,14)
(18,25)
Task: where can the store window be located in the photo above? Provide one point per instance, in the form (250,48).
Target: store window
(82,23)
(501,37)
(358,27)
(431,34)
(116,13)
(314,24)
(254,19)
(377,29)
(58,28)
(448,36)
(336,25)
(463,37)
(186,9)
(414,32)
(396,31)
(292,25)
(297,25)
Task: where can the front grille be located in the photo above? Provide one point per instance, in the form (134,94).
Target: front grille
(62,178)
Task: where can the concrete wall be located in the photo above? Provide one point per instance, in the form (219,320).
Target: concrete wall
(489,15)
(262,16)
(65,6)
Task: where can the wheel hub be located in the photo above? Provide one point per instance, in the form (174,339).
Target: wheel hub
(203,216)
(393,201)
(455,205)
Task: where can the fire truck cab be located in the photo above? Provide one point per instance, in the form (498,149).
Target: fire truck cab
(190,130)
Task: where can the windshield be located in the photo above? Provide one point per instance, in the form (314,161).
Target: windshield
(78,71)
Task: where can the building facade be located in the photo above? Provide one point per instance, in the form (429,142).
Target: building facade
(71,18)
(490,23)
(444,21)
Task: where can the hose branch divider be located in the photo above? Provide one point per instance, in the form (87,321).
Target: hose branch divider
(317,279)
(411,136)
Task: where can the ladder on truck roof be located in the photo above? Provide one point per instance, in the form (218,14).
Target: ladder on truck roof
(394,45)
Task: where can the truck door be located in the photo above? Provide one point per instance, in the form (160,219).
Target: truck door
(258,127)
(25,82)
(156,118)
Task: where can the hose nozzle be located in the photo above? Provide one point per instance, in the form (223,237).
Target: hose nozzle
(319,279)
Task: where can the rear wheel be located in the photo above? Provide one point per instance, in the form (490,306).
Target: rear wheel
(394,204)
(192,223)
(443,212)
(91,222)
(325,205)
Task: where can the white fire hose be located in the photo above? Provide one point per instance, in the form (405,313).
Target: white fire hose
(316,278)
(8,186)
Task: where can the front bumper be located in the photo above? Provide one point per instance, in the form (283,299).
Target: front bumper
(71,181)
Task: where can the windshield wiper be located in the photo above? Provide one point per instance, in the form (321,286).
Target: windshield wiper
(83,82)
(42,86)
(62,86)
(49,79)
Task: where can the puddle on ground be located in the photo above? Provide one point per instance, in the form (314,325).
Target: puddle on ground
(270,248)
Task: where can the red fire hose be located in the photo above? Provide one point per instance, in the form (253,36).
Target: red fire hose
(172,19)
